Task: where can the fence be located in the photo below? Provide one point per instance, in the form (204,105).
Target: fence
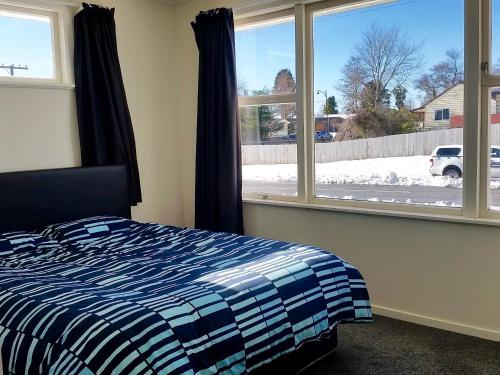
(390,146)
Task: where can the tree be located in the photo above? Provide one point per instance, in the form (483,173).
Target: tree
(284,83)
(374,95)
(352,83)
(377,122)
(386,57)
(331,107)
(399,93)
(260,122)
(442,76)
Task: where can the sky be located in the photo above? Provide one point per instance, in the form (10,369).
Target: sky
(26,41)
(438,25)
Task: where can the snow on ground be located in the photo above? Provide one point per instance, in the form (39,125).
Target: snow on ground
(403,171)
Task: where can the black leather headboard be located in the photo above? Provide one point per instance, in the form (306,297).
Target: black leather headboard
(31,200)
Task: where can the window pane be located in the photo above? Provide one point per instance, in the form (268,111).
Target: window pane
(495,149)
(269,149)
(265,58)
(26,46)
(389,92)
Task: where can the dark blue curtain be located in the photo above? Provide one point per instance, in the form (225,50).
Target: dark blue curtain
(218,148)
(105,126)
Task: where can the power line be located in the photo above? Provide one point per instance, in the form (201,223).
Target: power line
(12,68)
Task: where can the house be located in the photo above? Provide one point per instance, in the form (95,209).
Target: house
(437,112)
(446,110)
(330,122)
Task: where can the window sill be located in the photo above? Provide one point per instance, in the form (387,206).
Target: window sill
(38,85)
(377,212)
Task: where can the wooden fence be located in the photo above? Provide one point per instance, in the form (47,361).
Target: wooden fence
(390,146)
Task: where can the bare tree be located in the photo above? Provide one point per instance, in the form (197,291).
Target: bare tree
(387,57)
(442,76)
(352,83)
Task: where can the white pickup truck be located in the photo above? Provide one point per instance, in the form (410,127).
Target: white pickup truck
(448,161)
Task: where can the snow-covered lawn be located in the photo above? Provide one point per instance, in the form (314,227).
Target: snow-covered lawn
(405,171)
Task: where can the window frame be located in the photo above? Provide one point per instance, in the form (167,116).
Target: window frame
(59,46)
(489,80)
(259,100)
(475,190)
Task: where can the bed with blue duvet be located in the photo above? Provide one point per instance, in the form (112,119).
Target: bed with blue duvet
(107,295)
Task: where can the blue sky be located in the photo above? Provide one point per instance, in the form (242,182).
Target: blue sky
(437,24)
(26,42)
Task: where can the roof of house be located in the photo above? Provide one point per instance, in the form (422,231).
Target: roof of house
(438,96)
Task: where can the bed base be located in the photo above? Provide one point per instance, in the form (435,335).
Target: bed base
(299,361)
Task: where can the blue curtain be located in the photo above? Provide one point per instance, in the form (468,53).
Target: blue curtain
(104,123)
(218,148)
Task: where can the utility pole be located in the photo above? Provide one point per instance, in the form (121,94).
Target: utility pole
(12,68)
(325,93)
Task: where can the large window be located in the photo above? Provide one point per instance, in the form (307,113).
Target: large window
(29,44)
(373,105)
(368,81)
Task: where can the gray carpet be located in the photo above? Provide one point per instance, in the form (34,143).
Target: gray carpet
(390,346)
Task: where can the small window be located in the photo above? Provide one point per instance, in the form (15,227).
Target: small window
(455,151)
(27,44)
(442,114)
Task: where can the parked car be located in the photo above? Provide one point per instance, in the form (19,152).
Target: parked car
(448,161)
(323,136)
(291,137)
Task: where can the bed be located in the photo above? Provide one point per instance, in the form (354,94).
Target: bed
(93,292)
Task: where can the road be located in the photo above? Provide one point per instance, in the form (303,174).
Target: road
(398,194)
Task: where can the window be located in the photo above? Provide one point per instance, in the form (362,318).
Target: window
(442,114)
(265,55)
(448,151)
(381,112)
(366,84)
(30,48)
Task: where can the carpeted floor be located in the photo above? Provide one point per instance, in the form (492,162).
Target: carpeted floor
(390,346)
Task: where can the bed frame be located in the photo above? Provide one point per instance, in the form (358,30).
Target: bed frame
(33,199)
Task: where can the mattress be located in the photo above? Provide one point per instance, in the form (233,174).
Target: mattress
(153,299)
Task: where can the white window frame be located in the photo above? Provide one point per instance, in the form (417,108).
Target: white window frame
(475,192)
(260,21)
(488,81)
(59,14)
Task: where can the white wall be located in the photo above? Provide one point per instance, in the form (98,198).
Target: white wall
(441,274)
(38,127)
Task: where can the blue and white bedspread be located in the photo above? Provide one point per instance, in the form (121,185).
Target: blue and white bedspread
(157,299)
